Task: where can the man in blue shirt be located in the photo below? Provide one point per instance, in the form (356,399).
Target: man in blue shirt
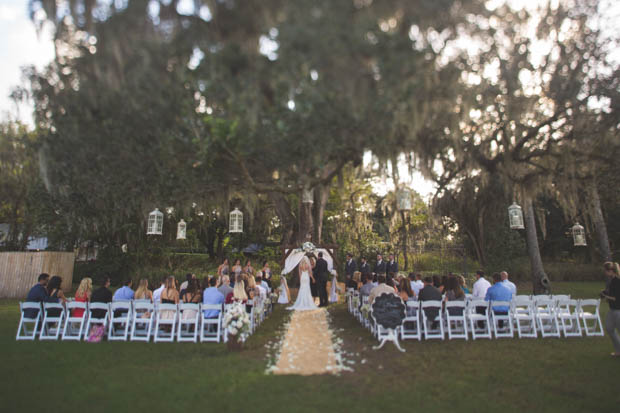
(212,296)
(125,293)
(498,292)
(37,294)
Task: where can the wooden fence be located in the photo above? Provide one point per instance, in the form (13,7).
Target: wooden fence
(19,270)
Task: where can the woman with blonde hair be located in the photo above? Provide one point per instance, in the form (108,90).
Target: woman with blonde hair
(83,295)
(239,293)
(612,295)
(143,292)
(170,295)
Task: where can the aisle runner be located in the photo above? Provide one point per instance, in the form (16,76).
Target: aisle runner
(307,347)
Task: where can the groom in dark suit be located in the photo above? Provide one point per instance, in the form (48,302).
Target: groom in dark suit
(321,272)
(349,268)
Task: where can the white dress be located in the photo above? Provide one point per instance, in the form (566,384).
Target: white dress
(283,298)
(304,297)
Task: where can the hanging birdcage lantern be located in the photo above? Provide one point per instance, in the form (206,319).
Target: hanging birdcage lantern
(307,196)
(235,223)
(181,230)
(579,235)
(515,216)
(403,199)
(155,223)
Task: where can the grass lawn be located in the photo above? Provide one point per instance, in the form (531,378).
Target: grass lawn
(507,374)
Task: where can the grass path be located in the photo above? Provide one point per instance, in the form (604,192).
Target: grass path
(307,348)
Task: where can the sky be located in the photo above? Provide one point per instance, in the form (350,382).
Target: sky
(21,45)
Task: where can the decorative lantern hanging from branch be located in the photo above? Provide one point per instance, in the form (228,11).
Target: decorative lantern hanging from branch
(515,215)
(235,224)
(307,196)
(181,230)
(579,235)
(403,199)
(155,223)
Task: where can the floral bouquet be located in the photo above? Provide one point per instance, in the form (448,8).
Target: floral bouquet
(237,321)
(307,247)
(365,310)
(356,302)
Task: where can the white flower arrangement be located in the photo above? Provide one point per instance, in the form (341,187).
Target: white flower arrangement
(237,321)
(365,310)
(307,247)
(274,297)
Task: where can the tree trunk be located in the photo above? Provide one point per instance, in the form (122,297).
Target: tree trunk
(477,248)
(306,222)
(599,224)
(321,195)
(287,219)
(404,236)
(220,245)
(540,281)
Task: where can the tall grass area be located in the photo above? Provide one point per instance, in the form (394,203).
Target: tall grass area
(514,375)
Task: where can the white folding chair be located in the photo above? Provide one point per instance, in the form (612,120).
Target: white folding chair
(589,311)
(456,319)
(74,326)
(189,315)
(120,320)
(524,316)
(498,318)
(30,315)
(53,317)
(211,328)
(560,297)
(568,315)
(483,318)
(427,323)
(411,324)
(546,318)
(165,322)
(142,320)
(98,313)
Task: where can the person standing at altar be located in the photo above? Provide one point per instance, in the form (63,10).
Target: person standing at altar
(321,282)
(313,283)
(364,266)
(349,268)
(380,266)
(392,265)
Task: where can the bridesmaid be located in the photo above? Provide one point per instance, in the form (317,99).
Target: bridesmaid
(223,269)
(313,289)
(236,269)
(284,292)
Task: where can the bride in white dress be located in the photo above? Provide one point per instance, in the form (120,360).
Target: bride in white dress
(304,297)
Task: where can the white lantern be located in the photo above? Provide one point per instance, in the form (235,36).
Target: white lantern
(307,196)
(181,230)
(155,223)
(579,235)
(515,215)
(403,199)
(235,223)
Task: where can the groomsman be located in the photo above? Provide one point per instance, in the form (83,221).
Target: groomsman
(349,268)
(380,266)
(321,272)
(364,266)
(392,265)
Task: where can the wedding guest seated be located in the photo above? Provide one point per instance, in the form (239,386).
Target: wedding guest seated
(239,294)
(212,296)
(508,284)
(454,292)
(498,292)
(55,294)
(260,288)
(101,295)
(430,293)
(82,295)
(157,292)
(125,293)
(37,294)
(380,289)
(416,283)
(188,278)
(170,295)
(404,289)
(463,284)
(437,281)
(225,287)
(368,285)
(192,295)
(143,292)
